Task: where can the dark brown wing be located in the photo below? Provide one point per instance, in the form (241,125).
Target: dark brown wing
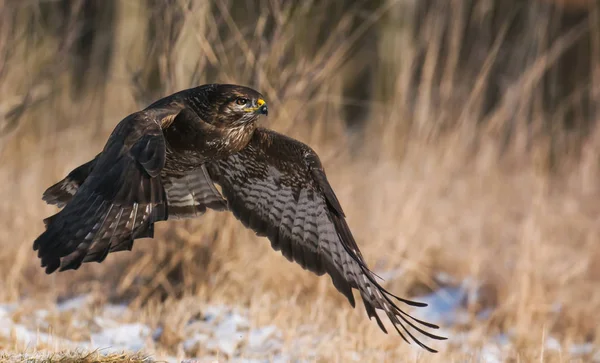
(116,197)
(277,187)
(63,191)
(118,201)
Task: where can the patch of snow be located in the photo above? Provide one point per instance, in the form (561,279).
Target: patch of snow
(75,303)
(106,323)
(157,333)
(552,344)
(485,314)
(212,312)
(264,340)
(582,349)
(502,339)
(41,314)
(496,350)
(224,333)
(445,306)
(29,338)
(574,350)
(7,309)
(490,354)
(194,343)
(115,311)
(448,305)
(130,337)
(230,333)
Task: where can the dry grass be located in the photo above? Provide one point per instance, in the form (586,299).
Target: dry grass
(75,357)
(430,186)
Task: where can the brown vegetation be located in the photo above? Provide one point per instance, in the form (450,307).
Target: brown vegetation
(460,137)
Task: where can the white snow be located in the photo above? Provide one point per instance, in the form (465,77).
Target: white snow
(445,306)
(224,332)
(220,331)
(264,339)
(73,304)
(129,337)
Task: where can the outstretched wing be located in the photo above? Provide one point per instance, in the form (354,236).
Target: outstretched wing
(277,187)
(117,196)
(119,200)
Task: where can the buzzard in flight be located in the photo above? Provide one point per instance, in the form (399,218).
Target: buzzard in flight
(163,162)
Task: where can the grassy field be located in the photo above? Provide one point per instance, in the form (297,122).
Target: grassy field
(430,181)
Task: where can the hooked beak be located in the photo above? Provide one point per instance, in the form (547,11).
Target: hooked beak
(262,107)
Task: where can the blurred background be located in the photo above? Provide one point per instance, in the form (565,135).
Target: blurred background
(459,135)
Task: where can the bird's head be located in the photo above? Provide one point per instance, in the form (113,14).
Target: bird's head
(236,105)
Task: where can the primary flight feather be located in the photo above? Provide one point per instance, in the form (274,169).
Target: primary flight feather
(163,162)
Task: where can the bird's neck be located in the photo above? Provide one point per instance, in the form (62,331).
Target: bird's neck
(236,138)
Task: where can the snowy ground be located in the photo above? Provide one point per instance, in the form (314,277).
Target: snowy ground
(447,308)
(220,332)
(226,332)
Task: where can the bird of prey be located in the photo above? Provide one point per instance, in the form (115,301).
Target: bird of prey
(163,163)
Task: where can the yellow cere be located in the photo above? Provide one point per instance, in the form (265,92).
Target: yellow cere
(260,102)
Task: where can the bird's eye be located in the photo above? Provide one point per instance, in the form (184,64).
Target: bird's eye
(241,101)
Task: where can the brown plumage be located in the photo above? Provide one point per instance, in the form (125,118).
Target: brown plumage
(163,162)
